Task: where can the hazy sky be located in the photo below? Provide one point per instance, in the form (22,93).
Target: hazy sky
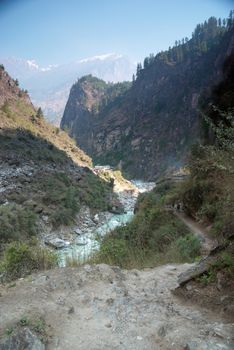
(60,31)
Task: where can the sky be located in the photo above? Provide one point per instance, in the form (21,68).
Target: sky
(61,31)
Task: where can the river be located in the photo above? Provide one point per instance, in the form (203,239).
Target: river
(90,230)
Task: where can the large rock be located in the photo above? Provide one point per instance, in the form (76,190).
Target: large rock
(57,243)
(197,270)
(23,339)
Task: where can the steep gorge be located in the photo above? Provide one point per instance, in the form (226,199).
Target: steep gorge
(149,128)
(45,179)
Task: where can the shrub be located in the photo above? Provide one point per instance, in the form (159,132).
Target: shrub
(94,192)
(60,192)
(20,259)
(114,251)
(16,223)
(6,108)
(149,239)
(207,277)
(39,113)
(189,247)
(62,216)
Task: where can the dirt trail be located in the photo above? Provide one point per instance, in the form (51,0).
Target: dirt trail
(101,307)
(198,230)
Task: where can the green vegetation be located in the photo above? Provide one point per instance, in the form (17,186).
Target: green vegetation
(20,259)
(224,263)
(16,223)
(60,193)
(188,247)
(29,146)
(153,237)
(27,134)
(66,195)
(140,110)
(109,93)
(6,109)
(34,323)
(204,38)
(39,113)
(207,277)
(208,194)
(53,182)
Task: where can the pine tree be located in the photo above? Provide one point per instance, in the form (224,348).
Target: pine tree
(39,113)
(139,68)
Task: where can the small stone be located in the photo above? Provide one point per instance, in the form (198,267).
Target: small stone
(71,310)
(224,297)
(191,346)
(189,287)
(60,301)
(162,331)
(108,325)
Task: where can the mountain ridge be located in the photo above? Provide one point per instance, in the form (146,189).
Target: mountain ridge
(49,86)
(158,116)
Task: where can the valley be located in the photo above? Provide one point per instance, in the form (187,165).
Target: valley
(90,228)
(158,115)
(116,230)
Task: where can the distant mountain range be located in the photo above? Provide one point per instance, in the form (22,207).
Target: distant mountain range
(49,86)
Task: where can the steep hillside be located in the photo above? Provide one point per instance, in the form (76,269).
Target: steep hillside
(150,128)
(17,113)
(44,178)
(89,98)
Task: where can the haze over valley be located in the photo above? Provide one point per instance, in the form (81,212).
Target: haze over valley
(49,86)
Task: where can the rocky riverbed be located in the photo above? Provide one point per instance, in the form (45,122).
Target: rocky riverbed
(91,227)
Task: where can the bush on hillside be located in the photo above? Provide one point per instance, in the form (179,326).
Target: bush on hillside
(153,237)
(189,247)
(20,259)
(16,223)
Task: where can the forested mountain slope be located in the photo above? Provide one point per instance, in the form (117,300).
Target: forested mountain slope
(148,129)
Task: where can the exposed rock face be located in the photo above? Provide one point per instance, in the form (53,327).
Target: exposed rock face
(89,98)
(23,339)
(150,127)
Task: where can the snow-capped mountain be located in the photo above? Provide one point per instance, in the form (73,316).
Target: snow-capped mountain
(49,86)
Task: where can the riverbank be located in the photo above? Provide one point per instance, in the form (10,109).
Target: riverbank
(90,227)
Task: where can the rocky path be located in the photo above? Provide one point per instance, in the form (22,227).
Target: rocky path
(198,230)
(102,307)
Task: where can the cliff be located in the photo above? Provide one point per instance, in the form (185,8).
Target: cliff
(149,128)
